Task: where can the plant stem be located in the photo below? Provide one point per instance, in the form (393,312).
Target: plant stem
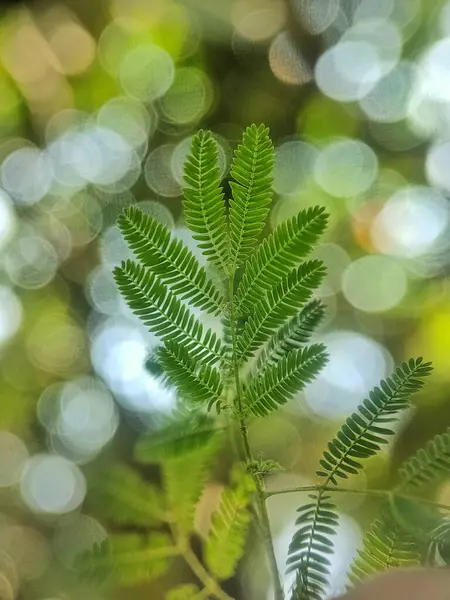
(373,492)
(261,511)
(211,585)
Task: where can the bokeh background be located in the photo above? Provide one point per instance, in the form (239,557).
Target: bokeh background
(98,101)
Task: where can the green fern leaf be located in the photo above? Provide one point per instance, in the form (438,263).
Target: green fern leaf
(291,241)
(132,558)
(311,547)
(428,463)
(170,259)
(121,495)
(225,544)
(283,301)
(163,313)
(251,171)
(184,478)
(365,430)
(175,439)
(385,546)
(277,384)
(292,335)
(197,384)
(204,206)
(187,591)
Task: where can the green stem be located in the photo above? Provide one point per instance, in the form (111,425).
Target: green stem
(211,585)
(373,492)
(260,495)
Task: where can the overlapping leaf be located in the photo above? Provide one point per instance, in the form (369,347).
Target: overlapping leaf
(170,259)
(428,463)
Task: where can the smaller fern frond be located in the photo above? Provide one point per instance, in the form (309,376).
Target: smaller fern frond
(175,438)
(428,463)
(283,301)
(184,477)
(311,547)
(385,546)
(365,430)
(203,203)
(293,334)
(120,494)
(170,259)
(225,544)
(277,384)
(291,241)
(164,314)
(251,186)
(197,384)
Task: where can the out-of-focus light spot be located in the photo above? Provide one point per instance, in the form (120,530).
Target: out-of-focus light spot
(383,35)
(52,485)
(47,409)
(113,247)
(437,165)
(10,313)
(374,283)
(88,416)
(357,363)
(38,168)
(30,261)
(369,10)
(325,118)
(130,119)
(76,536)
(114,44)
(348,70)
(388,100)
(147,72)
(28,548)
(181,151)
(82,215)
(102,291)
(9,580)
(396,137)
(411,222)
(316,15)
(434,71)
(287,62)
(118,353)
(158,171)
(188,98)
(336,260)
(278,438)
(73,46)
(55,343)
(158,211)
(13,456)
(346,168)
(294,162)
(346,542)
(260,20)
(7,219)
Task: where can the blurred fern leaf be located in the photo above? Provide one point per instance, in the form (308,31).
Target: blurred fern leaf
(188,591)
(428,463)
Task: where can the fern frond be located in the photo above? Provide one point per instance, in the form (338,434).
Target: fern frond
(163,313)
(120,494)
(184,478)
(283,301)
(187,591)
(170,259)
(428,463)
(196,383)
(277,384)
(204,206)
(140,558)
(291,241)
(251,171)
(225,544)
(385,546)
(311,546)
(292,335)
(364,431)
(175,438)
